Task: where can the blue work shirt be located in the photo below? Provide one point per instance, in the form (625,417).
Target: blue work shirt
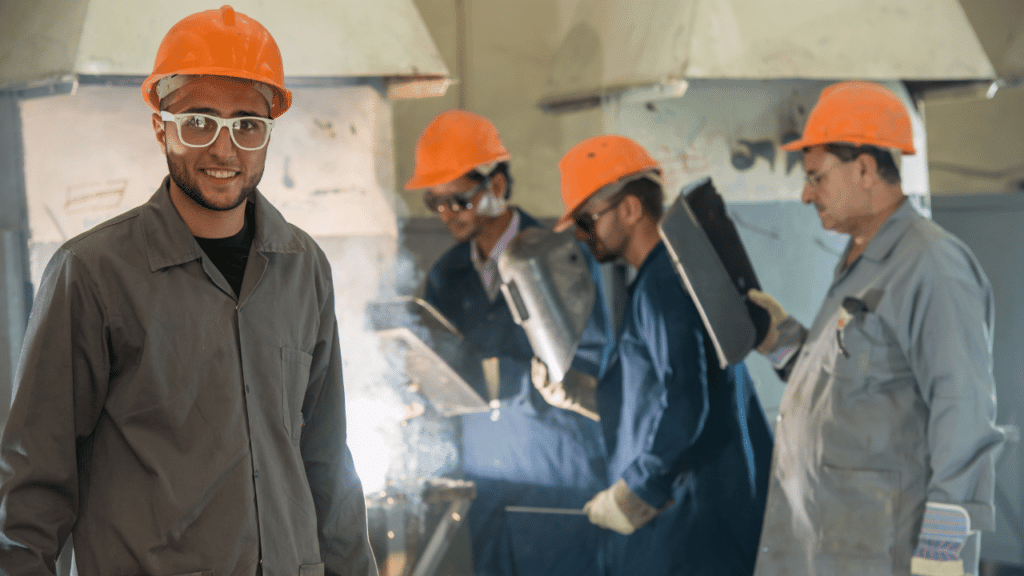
(684,434)
(533,454)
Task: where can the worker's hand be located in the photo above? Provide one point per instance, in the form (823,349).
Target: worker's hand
(776,315)
(619,509)
(576,392)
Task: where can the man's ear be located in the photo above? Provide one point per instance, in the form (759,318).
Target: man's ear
(499,186)
(631,209)
(161,132)
(867,171)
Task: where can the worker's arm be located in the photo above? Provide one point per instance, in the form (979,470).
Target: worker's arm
(60,389)
(336,489)
(669,354)
(945,329)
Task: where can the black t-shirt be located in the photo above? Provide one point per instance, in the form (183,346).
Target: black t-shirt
(230,254)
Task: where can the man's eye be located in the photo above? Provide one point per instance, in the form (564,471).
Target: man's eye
(196,122)
(246,124)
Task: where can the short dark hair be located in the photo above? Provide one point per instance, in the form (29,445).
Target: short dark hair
(501,168)
(652,198)
(887,169)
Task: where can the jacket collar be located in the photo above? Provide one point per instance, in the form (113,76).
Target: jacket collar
(881,245)
(169,242)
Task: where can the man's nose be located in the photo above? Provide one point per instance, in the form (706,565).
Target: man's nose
(807,196)
(446,214)
(223,146)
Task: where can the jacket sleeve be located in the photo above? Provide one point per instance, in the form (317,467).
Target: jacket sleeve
(59,393)
(336,489)
(947,335)
(678,395)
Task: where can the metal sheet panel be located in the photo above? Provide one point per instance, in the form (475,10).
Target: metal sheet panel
(616,45)
(550,292)
(437,358)
(45,39)
(700,265)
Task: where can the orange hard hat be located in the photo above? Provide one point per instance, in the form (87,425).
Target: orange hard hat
(453,144)
(595,163)
(858,113)
(220,43)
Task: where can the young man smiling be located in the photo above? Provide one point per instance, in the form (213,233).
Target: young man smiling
(179,405)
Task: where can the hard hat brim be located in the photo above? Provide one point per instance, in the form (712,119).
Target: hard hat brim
(801,144)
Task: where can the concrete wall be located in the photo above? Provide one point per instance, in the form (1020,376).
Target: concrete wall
(978,146)
(500,54)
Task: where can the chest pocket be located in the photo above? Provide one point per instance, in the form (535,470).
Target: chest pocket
(295,365)
(867,355)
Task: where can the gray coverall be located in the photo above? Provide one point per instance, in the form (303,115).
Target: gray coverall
(892,407)
(172,427)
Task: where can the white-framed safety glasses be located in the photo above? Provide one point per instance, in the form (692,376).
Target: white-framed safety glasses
(199,130)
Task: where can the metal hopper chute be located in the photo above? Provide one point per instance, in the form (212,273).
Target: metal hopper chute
(612,46)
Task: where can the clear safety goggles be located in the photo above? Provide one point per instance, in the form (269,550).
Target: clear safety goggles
(200,130)
(455,202)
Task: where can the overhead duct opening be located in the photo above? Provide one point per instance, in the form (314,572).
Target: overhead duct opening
(613,46)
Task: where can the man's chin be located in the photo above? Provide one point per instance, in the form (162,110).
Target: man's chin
(462,235)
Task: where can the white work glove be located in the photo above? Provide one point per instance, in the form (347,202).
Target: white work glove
(576,392)
(776,314)
(944,529)
(619,509)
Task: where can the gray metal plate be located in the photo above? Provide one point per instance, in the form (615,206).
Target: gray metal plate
(722,308)
(437,359)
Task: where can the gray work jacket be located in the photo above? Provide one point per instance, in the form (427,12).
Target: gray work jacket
(891,403)
(172,427)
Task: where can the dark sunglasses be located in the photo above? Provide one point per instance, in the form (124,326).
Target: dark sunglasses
(586,221)
(454,202)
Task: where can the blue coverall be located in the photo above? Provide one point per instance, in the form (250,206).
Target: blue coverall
(533,454)
(685,436)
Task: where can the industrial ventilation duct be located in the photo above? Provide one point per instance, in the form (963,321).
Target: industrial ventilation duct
(51,45)
(613,45)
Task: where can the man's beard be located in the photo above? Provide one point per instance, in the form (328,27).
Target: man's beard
(600,252)
(191,189)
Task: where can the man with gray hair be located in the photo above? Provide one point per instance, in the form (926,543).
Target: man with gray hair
(886,441)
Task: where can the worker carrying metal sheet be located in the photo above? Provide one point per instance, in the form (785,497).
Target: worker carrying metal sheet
(179,405)
(885,444)
(525,452)
(688,442)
